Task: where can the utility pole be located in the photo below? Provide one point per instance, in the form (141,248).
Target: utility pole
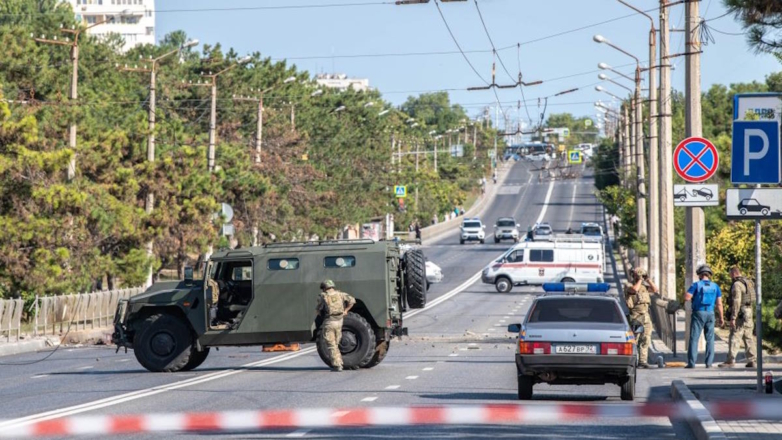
(259,131)
(152,70)
(641,170)
(694,221)
(628,143)
(667,243)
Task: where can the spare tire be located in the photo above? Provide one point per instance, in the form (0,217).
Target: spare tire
(415,279)
(357,345)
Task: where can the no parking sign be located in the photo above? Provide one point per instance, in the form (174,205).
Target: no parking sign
(696,159)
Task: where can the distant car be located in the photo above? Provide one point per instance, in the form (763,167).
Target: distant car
(543,232)
(576,338)
(752,205)
(434,274)
(592,230)
(472,230)
(506,228)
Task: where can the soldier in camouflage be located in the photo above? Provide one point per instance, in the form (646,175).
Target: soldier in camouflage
(333,305)
(638,300)
(742,326)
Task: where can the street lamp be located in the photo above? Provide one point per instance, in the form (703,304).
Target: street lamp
(604,66)
(339,109)
(369,104)
(289,79)
(601,89)
(316,93)
(604,77)
(384,112)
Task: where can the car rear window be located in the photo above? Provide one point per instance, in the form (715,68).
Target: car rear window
(575,310)
(472,224)
(543,231)
(591,230)
(510,223)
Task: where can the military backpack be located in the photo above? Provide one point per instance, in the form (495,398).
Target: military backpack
(335,306)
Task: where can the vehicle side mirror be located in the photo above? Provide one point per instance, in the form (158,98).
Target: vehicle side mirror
(483,226)
(188,275)
(514,328)
(518,225)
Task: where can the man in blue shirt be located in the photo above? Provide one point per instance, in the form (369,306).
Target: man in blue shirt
(705,295)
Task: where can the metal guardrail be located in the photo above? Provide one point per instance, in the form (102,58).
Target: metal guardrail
(79,311)
(11,318)
(664,320)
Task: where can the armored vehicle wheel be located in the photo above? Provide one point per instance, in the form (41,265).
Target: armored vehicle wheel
(380,353)
(357,345)
(415,271)
(163,344)
(196,358)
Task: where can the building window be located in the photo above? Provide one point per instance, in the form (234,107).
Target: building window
(91,19)
(150,30)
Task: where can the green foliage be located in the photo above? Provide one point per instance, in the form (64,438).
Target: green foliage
(762,19)
(319,169)
(579,132)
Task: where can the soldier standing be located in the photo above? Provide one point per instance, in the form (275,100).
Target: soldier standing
(333,305)
(742,326)
(638,301)
(705,295)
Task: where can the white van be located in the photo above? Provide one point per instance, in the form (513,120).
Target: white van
(567,258)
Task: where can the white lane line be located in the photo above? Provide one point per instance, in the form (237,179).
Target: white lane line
(453,355)
(85,368)
(38,376)
(393,387)
(572,204)
(503,320)
(491,329)
(545,202)
(298,434)
(123,360)
(369,399)
(411,377)
(428,369)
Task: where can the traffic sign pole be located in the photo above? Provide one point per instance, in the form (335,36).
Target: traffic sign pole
(758,306)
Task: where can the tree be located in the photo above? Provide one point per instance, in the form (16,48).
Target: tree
(762,19)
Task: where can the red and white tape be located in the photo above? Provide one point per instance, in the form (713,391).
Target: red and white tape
(256,421)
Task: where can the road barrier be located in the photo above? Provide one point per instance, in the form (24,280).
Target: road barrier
(271,420)
(11,318)
(80,311)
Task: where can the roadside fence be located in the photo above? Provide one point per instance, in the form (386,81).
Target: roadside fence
(54,314)
(664,320)
(11,318)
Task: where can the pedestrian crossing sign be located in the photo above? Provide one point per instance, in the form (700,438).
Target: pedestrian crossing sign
(574,156)
(400,191)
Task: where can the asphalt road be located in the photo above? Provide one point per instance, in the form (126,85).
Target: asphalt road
(458,353)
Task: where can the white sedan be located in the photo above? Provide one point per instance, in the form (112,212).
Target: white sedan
(433,274)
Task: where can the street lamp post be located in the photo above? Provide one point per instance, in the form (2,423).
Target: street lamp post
(639,141)
(152,70)
(74,92)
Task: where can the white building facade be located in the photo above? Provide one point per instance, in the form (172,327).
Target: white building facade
(134,20)
(342,82)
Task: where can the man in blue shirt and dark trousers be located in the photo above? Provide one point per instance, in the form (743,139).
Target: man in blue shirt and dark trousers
(704,294)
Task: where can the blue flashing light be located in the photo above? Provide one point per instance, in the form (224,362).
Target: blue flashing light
(576,287)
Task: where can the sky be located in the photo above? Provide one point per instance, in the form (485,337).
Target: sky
(356,39)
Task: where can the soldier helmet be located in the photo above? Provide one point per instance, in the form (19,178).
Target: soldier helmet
(640,272)
(704,269)
(327,284)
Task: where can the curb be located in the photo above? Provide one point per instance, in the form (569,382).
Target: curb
(700,421)
(21,347)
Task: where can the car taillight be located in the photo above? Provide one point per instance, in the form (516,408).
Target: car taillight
(534,347)
(623,349)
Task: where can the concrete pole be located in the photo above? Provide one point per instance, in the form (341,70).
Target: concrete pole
(643,233)
(150,202)
(654,167)
(627,144)
(259,131)
(212,127)
(695,242)
(695,234)
(73,96)
(667,242)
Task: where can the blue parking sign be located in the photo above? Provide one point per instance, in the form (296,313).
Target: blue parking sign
(755,158)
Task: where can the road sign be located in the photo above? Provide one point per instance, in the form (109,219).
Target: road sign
(696,195)
(755,158)
(695,159)
(754,204)
(757,106)
(574,156)
(400,191)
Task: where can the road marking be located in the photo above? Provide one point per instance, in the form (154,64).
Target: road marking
(453,355)
(123,360)
(393,387)
(502,320)
(572,204)
(428,368)
(545,202)
(38,376)
(85,368)
(491,329)
(411,377)
(299,433)
(369,399)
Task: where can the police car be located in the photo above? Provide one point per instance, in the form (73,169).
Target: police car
(576,334)
(472,229)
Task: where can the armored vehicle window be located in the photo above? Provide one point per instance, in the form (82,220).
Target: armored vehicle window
(283,264)
(242,274)
(339,262)
(541,255)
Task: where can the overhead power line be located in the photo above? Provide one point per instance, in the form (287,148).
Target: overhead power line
(456,42)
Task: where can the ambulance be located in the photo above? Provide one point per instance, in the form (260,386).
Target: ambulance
(568,258)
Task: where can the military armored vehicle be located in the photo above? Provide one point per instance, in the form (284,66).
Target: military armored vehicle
(267,296)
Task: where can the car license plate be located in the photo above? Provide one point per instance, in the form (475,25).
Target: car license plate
(576,349)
